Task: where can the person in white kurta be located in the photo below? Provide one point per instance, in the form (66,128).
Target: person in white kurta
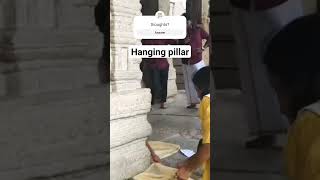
(254,25)
(195,35)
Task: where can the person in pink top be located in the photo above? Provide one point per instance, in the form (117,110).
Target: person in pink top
(158,70)
(195,35)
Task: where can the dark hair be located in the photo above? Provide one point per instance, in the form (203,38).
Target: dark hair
(293,56)
(187,16)
(201,80)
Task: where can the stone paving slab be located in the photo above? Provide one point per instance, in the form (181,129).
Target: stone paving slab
(237,158)
(246,176)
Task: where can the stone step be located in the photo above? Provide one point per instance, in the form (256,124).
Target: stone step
(126,130)
(180,86)
(129,103)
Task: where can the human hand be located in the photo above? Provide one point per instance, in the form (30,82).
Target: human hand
(183,172)
(155,158)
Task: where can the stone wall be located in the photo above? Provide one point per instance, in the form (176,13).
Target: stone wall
(52,104)
(129,102)
(205,19)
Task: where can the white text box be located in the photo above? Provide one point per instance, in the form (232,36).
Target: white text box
(153,27)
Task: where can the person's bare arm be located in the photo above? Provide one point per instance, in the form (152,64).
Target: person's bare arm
(194,162)
(149,147)
(155,158)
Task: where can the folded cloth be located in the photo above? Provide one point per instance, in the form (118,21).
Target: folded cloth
(158,172)
(163,149)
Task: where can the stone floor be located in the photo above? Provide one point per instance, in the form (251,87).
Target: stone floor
(232,161)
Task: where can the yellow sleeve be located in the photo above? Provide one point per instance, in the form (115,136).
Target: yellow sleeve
(205,120)
(303,148)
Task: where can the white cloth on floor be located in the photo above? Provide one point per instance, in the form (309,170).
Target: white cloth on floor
(163,149)
(158,172)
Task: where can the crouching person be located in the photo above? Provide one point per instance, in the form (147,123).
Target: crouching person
(201,81)
(292,60)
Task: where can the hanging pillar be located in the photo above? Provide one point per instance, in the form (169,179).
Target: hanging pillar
(129,102)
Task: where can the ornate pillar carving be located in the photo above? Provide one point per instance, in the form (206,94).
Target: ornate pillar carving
(52,104)
(129,102)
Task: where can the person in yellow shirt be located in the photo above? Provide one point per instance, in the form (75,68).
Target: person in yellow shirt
(293,62)
(201,80)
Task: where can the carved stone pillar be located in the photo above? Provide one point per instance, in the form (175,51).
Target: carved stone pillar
(52,104)
(129,102)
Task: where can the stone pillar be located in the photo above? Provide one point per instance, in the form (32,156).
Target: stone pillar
(52,104)
(205,18)
(129,102)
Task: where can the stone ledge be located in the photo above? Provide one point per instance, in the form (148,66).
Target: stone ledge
(126,130)
(8,103)
(129,103)
(119,75)
(129,160)
(120,86)
(28,79)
